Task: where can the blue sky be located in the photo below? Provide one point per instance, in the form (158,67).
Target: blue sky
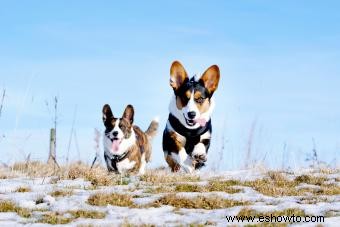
(279,63)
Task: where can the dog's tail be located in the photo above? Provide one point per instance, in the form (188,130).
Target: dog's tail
(152,130)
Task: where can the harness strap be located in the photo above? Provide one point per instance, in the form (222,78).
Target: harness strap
(192,136)
(118,158)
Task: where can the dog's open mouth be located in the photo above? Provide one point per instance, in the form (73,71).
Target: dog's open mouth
(115,144)
(200,121)
(189,121)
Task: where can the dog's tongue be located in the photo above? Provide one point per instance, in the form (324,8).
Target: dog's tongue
(115,145)
(201,121)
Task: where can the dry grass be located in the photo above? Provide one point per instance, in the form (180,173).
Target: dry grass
(189,188)
(211,187)
(276,185)
(309,179)
(224,186)
(287,212)
(315,199)
(36,169)
(332,213)
(88,214)
(114,199)
(55,218)
(159,189)
(61,193)
(23,189)
(199,202)
(267,224)
(330,189)
(164,177)
(8,206)
(6,173)
(98,176)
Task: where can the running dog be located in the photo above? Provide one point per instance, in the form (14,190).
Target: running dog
(126,147)
(186,138)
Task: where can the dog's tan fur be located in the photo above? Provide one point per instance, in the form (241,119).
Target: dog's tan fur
(137,152)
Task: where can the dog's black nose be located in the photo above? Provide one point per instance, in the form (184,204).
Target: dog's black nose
(191,114)
(115,133)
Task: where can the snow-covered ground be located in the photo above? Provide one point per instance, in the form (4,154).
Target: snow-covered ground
(39,201)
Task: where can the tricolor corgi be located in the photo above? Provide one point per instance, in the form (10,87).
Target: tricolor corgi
(126,147)
(186,138)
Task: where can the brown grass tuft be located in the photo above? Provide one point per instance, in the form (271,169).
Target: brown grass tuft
(314,200)
(54,218)
(98,176)
(332,213)
(287,212)
(224,186)
(211,187)
(61,193)
(23,189)
(35,169)
(114,199)
(199,202)
(8,206)
(164,177)
(309,179)
(276,185)
(88,214)
(331,189)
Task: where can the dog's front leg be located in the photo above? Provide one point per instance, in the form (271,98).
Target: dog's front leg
(199,153)
(109,163)
(184,160)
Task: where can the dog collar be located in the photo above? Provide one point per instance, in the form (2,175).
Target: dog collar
(188,133)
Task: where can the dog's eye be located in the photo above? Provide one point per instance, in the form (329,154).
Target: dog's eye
(199,100)
(122,127)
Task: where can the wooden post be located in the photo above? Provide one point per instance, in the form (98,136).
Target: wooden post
(2,101)
(52,154)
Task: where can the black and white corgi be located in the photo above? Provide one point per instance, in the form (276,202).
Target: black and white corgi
(126,147)
(186,138)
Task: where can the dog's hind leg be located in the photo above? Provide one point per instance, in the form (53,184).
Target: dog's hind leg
(142,165)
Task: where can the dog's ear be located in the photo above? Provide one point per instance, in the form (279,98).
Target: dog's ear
(210,78)
(129,113)
(178,75)
(107,115)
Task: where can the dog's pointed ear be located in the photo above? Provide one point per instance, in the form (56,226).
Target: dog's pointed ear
(178,75)
(210,78)
(107,115)
(129,113)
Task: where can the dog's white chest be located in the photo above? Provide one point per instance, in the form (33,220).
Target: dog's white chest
(125,165)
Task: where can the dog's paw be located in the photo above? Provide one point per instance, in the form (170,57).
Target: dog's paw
(199,165)
(199,153)
(200,158)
